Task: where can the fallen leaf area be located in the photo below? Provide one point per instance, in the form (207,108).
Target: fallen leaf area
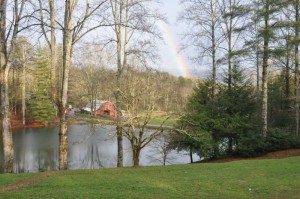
(16,122)
(271,155)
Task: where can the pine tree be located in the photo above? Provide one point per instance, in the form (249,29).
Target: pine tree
(270,8)
(196,125)
(235,108)
(41,108)
(209,124)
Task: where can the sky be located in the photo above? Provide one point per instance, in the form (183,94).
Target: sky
(173,60)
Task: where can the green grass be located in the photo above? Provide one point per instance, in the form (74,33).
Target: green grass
(242,179)
(155,120)
(159,120)
(9,179)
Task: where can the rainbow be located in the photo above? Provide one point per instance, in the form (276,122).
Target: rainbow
(174,49)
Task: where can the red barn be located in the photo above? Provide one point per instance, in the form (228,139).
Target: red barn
(106,109)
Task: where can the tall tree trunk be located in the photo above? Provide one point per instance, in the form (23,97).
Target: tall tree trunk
(264,97)
(213,42)
(6,123)
(257,72)
(119,128)
(191,154)
(297,36)
(136,155)
(67,48)
(257,53)
(230,144)
(54,82)
(24,90)
(229,35)
(5,110)
(287,73)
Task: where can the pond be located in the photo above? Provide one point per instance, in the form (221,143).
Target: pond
(90,147)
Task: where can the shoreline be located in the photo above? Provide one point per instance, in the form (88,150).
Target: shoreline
(17,124)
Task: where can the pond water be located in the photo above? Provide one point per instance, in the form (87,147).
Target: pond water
(90,147)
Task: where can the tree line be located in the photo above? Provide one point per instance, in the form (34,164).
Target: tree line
(245,43)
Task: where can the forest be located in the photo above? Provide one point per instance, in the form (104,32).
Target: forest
(55,54)
(250,103)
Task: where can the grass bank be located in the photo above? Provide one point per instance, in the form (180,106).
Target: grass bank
(278,178)
(155,120)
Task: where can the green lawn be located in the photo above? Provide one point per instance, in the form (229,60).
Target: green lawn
(159,120)
(242,179)
(155,120)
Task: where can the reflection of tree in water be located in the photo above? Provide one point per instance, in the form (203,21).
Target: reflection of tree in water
(89,142)
(47,160)
(92,158)
(160,149)
(92,129)
(20,161)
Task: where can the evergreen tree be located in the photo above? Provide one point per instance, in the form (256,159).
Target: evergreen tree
(235,109)
(280,116)
(214,127)
(195,126)
(41,107)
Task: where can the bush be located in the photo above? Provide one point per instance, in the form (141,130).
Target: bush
(251,145)
(279,139)
(295,142)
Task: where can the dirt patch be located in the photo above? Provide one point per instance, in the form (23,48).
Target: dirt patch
(25,183)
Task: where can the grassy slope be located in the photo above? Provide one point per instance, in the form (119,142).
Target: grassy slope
(155,120)
(242,179)
(160,120)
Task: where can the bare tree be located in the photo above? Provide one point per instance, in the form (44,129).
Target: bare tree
(137,118)
(91,79)
(93,76)
(161,146)
(132,18)
(22,56)
(203,18)
(7,43)
(296,54)
(71,35)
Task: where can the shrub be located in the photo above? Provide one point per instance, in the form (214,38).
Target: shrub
(279,139)
(251,145)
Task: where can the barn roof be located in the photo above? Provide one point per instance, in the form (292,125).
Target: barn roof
(98,103)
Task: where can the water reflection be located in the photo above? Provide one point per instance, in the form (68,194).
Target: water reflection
(90,147)
(36,149)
